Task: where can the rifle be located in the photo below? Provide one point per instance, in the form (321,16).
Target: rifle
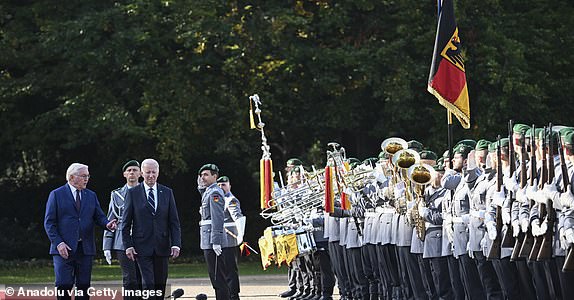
(494,251)
(508,238)
(523,181)
(569,261)
(528,240)
(541,207)
(546,247)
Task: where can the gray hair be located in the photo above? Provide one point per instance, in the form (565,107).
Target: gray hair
(73,169)
(150,161)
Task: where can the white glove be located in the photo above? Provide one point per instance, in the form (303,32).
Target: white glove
(465,218)
(563,241)
(399,189)
(449,231)
(488,162)
(567,199)
(217,249)
(200,183)
(535,225)
(515,228)
(540,197)
(544,226)
(491,229)
(498,198)
(470,252)
(550,190)
(521,196)
(510,183)
(531,191)
(240,224)
(524,225)
(505,215)
(569,235)
(471,161)
(108,256)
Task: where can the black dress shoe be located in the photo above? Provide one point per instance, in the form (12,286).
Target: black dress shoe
(297,296)
(287,293)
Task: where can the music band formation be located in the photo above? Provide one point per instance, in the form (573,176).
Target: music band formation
(142,230)
(495,222)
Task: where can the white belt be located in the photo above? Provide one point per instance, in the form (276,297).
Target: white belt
(208,222)
(371,214)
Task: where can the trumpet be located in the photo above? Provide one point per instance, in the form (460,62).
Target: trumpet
(420,175)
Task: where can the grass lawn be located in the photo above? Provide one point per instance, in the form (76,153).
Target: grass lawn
(45,274)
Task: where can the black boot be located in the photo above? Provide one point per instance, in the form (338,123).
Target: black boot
(287,293)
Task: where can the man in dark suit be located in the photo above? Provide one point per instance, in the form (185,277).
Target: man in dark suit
(151,230)
(71,213)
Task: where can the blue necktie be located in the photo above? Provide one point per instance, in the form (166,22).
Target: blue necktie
(151,200)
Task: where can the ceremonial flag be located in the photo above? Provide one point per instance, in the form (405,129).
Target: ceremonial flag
(447,78)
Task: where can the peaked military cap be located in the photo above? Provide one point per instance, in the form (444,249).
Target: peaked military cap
(131,163)
(482,144)
(223,179)
(210,167)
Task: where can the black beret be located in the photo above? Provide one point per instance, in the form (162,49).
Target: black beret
(131,163)
(223,179)
(210,167)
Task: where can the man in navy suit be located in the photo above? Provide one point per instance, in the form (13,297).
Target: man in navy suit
(71,213)
(151,231)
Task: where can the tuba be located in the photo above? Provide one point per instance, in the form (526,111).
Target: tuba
(402,160)
(420,175)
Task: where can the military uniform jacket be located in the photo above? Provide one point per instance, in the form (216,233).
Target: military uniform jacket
(232,212)
(490,216)
(460,208)
(332,230)
(113,240)
(478,209)
(212,218)
(433,217)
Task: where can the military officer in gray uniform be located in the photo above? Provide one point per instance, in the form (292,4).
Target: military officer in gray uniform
(453,180)
(112,241)
(213,240)
(431,212)
(234,227)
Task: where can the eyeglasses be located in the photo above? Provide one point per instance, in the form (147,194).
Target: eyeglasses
(84,176)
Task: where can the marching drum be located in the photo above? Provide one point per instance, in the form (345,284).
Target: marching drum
(305,242)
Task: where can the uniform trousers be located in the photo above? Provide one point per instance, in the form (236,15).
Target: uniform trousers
(327,282)
(456,278)
(426,276)
(358,274)
(217,269)
(507,275)
(488,277)
(232,274)
(131,276)
(441,279)
(337,260)
(470,278)
(389,267)
(371,267)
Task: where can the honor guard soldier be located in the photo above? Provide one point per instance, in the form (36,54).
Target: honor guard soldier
(112,241)
(234,227)
(453,180)
(212,235)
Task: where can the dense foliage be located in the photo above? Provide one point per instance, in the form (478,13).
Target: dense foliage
(102,82)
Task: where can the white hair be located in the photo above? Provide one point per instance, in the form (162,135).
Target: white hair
(73,169)
(150,161)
